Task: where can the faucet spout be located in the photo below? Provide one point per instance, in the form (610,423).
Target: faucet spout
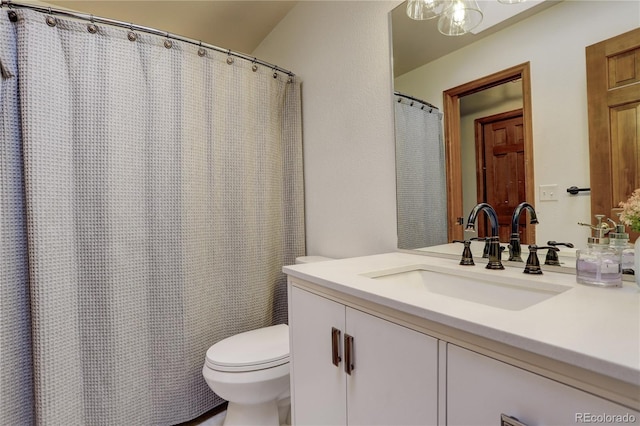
(515,251)
(491,213)
(516,216)
(494,250)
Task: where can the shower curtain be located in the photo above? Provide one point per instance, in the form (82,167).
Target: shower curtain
(420,170)
(150,196)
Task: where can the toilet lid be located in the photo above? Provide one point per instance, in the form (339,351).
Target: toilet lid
(252,350)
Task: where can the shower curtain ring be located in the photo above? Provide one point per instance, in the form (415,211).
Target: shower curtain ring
(132,36)
(254,66)
(275,74)
(13,16)
(201,51)
(229,57)
(168,43)
(92,27)
(50,20)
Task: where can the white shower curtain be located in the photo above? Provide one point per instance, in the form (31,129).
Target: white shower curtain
(162,194)
(420,172)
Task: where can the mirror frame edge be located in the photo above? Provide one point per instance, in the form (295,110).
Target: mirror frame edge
(451,103)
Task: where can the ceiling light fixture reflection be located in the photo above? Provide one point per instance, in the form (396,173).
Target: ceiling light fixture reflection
(460,18)
(421,10)
(456,17)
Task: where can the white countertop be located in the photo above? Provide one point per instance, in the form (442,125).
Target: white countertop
(593,328)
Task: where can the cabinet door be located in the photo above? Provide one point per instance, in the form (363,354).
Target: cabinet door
(480,389)
(395,375)
(318,393)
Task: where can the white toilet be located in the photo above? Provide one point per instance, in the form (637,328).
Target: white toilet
(251,371)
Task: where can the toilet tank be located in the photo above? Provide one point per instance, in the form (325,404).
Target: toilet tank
(311,259)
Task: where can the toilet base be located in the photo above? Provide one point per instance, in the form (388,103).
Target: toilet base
(265,414)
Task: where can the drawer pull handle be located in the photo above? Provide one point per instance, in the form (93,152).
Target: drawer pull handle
(510,421)
(348,354)
(335,346)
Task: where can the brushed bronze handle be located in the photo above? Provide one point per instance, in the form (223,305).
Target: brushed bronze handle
(335,346)
(348,354)
(510,421)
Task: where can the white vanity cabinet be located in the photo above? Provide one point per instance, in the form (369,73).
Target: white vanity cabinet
(480,389)
(394,370)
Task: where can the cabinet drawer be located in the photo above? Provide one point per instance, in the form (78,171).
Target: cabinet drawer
(480,389)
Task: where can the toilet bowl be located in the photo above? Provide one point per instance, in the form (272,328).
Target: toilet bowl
(251,371)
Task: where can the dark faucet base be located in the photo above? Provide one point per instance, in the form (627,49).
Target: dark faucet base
(533,270)
(495,265)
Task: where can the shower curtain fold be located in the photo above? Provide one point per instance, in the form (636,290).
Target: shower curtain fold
(162,196)
(16,376)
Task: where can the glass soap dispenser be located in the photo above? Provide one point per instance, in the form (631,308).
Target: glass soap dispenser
(619,241)
(599,264)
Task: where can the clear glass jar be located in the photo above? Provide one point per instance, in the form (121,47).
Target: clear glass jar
(599,265)
(619,241)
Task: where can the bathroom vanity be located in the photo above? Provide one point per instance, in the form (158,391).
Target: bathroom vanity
(407,339)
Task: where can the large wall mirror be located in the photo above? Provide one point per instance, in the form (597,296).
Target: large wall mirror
(530,66)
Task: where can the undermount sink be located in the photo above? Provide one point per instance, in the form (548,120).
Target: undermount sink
(498,291)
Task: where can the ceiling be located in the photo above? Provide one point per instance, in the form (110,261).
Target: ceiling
(236,25)
(242,25)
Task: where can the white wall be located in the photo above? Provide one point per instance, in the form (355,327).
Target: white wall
(340,51)
(554,42)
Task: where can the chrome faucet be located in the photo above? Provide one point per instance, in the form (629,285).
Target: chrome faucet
(495,253)
(515,250)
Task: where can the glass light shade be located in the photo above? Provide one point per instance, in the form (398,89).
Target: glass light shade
(422,10)
(460,18)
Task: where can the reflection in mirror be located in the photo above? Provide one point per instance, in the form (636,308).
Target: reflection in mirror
(492,147)
(495,145)
(421,189)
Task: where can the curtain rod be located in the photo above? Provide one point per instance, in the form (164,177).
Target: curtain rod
(416,99)
(100,20)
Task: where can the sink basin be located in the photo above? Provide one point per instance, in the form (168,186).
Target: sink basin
(498,291)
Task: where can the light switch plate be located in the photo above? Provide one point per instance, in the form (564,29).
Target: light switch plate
(549,192)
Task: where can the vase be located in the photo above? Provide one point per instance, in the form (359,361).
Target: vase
(636,266)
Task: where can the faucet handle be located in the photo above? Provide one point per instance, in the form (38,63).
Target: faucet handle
(552,253)
(553,243)
(552,257)
(533,263)
(467,256)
